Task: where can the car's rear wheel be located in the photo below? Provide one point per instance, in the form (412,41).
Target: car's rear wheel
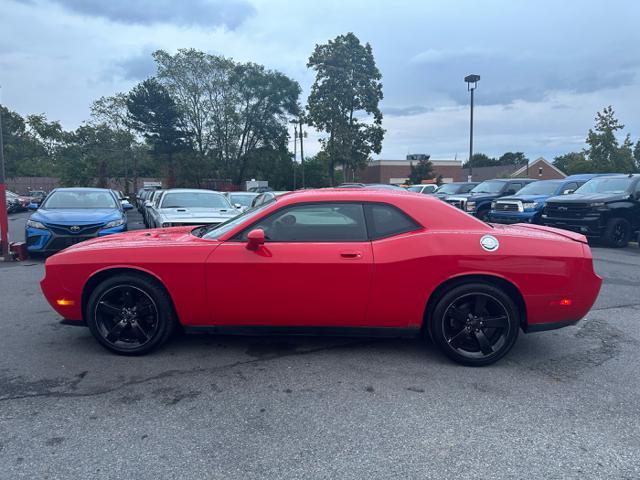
(617,233)
(130,314)
(475,324)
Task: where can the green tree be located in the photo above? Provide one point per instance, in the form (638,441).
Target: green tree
(233,111)
(480,160)
(513,158)
(604,152)
(153,113)
(572,163)
(636,155)
(423,170)
(344,102)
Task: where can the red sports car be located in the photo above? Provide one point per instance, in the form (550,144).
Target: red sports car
(335,261)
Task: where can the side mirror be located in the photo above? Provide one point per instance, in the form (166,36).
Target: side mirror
(568,192)
(237,206)
(255,238)
(33,206)
(127,206)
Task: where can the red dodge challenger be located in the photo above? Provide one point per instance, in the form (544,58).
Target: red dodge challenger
(333,261)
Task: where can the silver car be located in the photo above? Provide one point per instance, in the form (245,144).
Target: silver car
(241,200)
(186,206)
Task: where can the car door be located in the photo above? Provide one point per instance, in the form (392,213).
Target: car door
(314,270)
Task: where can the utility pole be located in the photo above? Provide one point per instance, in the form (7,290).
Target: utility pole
(472,81)
(302,154)
(4,220)
(295,152)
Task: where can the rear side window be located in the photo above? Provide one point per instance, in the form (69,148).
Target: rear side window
(386,221)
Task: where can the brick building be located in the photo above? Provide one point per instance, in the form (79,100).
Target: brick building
(397,171)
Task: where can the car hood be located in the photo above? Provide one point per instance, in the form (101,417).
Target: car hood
(76,216)
(475,196)
(526,198)
(197,213)
(138,239)
(588,198)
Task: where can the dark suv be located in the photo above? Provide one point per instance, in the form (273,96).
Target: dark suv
(478,201)
(606,208)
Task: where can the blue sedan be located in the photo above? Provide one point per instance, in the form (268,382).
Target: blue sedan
(70,215)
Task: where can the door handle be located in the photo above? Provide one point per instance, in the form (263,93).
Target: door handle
(353,255)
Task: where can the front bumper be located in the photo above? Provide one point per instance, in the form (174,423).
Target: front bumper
(47,241)
(591,227)
(514,217)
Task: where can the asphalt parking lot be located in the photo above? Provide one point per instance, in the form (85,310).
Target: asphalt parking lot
(562,404)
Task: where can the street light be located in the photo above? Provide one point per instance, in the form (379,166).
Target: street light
(472,81)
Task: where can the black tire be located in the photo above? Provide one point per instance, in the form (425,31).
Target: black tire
(617,233)
(458,324)
(130,314)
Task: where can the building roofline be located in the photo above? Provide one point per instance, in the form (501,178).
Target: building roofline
(522,169)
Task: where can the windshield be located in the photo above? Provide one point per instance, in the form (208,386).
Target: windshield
(194,200)
(448,188)
(216,231)
(488,187)
(242,198)
(79,199)
(540,188)
(606,185)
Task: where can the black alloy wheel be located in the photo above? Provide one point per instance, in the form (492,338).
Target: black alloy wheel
(475,324)
(618,232)
(130,314)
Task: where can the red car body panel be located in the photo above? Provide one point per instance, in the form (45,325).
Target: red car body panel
(380,283)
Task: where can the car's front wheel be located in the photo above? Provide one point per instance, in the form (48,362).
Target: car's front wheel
(475,324)
(617,233)
(130,314)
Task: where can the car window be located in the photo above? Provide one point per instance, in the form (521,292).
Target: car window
(326,222)
(194,200)
(385,221)
(514,186)
(80,199)
(156,202)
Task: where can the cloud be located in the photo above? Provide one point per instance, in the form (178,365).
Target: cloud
(405,111)
(203,13)
(137,67)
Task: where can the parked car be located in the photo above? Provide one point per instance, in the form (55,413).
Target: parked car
(21,201)
(184,206)
(72,215)
(37,196)
(241,200)
(478,201)
(143,196)
(347,247)
(124,200)
(526,206)
(605,208)
(13,203)
(151,203)
(266,197)
(453,188)
(260,189)
(425,188)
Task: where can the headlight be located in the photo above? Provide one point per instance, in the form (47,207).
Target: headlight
(598,205)
(471,206)
(34,224)
(493,205)
(530,205)
(114,223)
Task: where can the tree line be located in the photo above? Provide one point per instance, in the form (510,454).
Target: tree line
(204,116)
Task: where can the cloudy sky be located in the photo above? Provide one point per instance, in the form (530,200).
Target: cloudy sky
(546,66)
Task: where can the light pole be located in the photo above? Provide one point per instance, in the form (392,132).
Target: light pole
(4,221)
(472,81)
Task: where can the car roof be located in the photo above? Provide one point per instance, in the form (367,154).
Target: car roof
(191,190)
(83,189)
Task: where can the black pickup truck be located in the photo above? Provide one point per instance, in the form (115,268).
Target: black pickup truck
(605,208)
